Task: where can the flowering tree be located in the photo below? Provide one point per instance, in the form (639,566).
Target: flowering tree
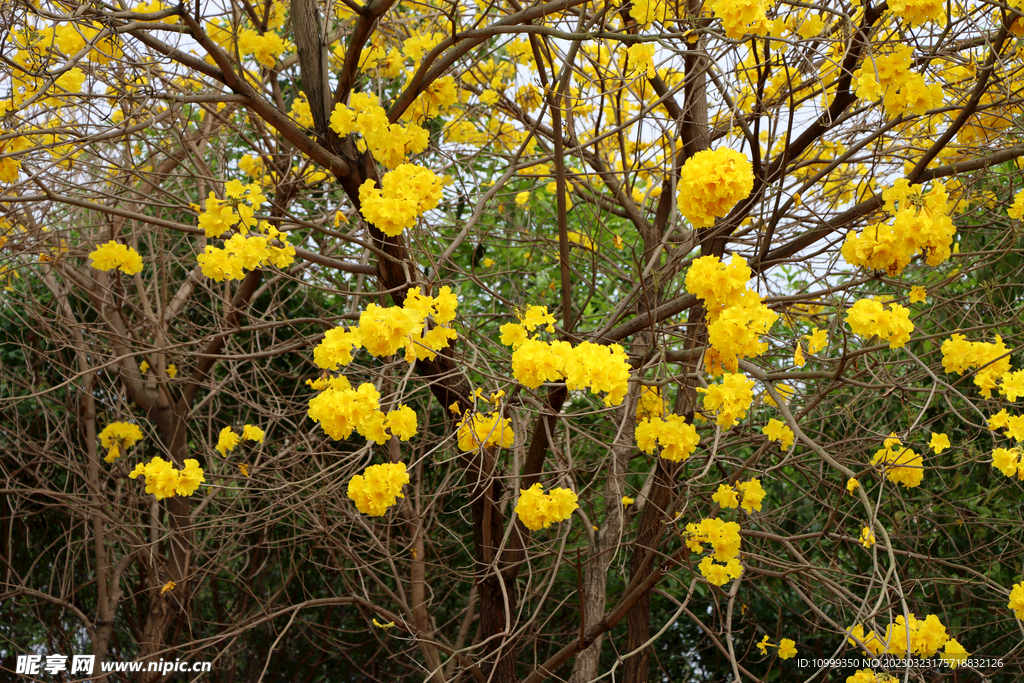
(453,341)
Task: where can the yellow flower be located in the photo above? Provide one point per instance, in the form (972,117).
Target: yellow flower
(1012,385)
(189,478)
(386,626)
(711,183)
(939,443)
(954,654)
(764,645)
(867,317)
(730,399)
(867,537)
(118,436)
(485,429)
(776,430)
(378,488)
(798,356)
(726,497)
(650,404)
(902,465)
(641,59)
(753,494)
(787,648)
(113,255)
(740,17)
(407,192)
(161,477)
(523,197)
(402,422)
(627,501)
(253,433)
(918,295)
(1017,600)
(538,510)
(816,341)
(678,438)
(226,441)
(784,391)
(852,485)
(169,586)
(244,469)
(582,240)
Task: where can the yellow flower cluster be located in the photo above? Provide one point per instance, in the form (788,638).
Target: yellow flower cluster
(1013,424)
(228,439)
(921,224)
(740,17)
(938,443)
(926,637)
(724,539)
(650,403)
(787,647)
(484,430)
(726,497)
(1008,461)
(242,253)
(729,497)
(1016,211)
(640,57)
(441,94)
(902,465)
(960,355)
(117,437)
(10,166)
(753,494)
(378,488)
(339,410)
(716,283)
(163,480)
(736,316)
(243,250)
(905,90)
(1017,600)
(538,510)
(240,207)
(390,143)
(816,341)
(646,12)
(677,438)
(514,334)
(869,676)
(917,12)
(868,317)
(383,331)
(113,255)
(730,399)
(711,182)
(776,430)
(264,47)
(599,368)
(1012,385)
(407,193)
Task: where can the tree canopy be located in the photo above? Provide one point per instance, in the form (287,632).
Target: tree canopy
(471,341)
